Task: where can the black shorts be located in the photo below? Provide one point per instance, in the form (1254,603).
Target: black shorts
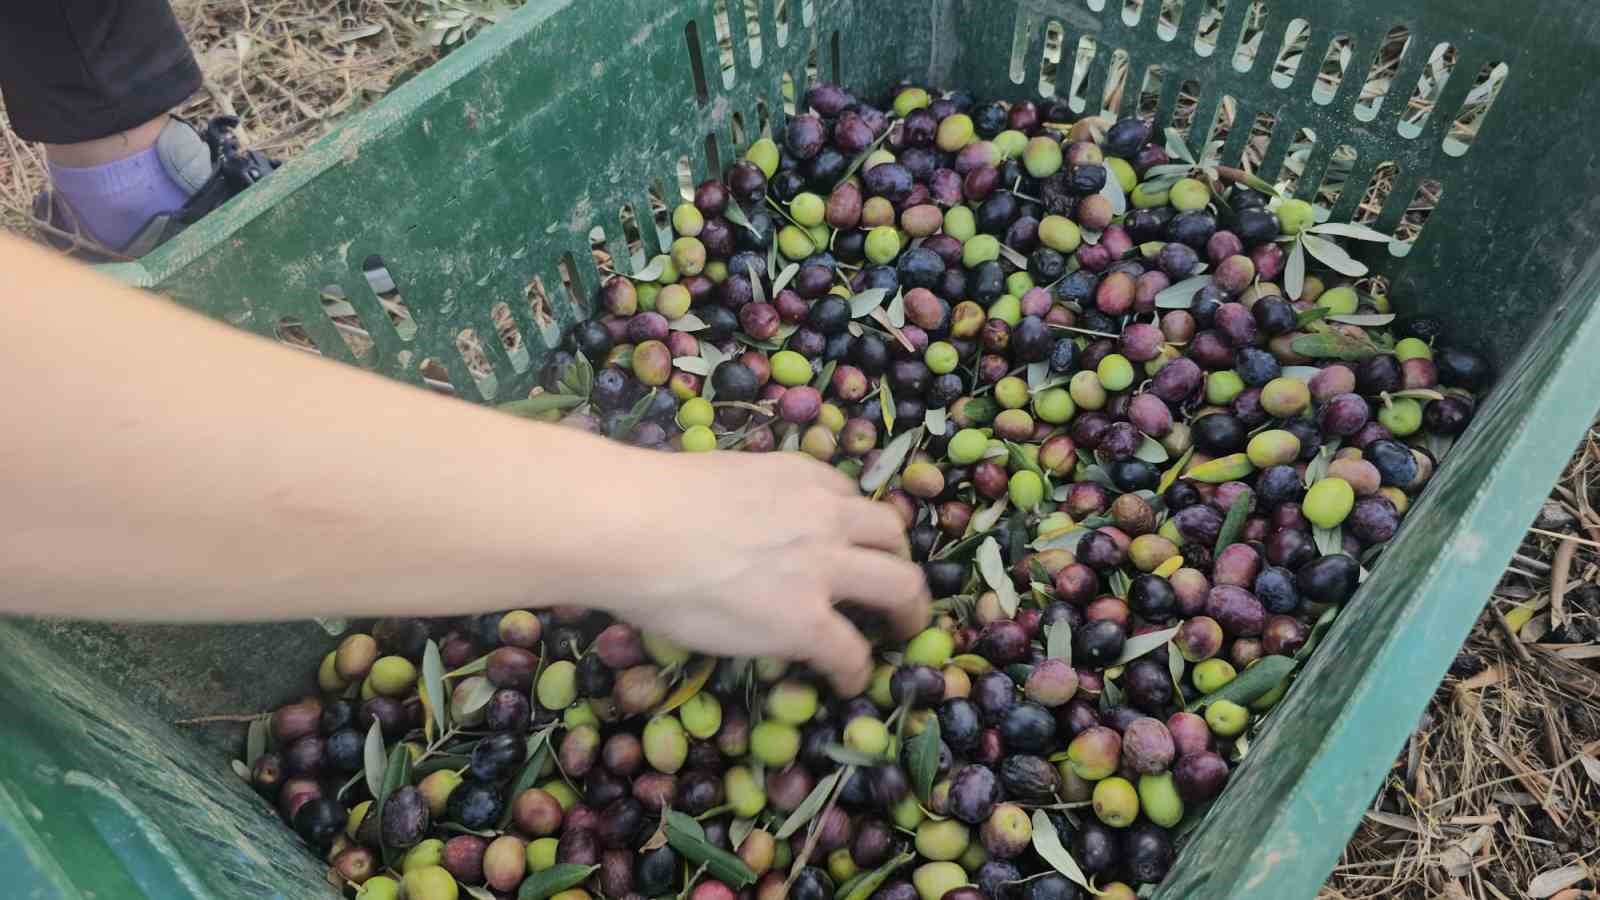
(78,70)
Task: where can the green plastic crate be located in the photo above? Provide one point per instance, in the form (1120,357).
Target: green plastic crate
(478,183)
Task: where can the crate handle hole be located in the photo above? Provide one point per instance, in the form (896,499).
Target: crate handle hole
(473,356)
(1221,126)
(1422,206)
(1341,166)
(435,376)
(539,310)
(724,31)
(291,331)
(1251,36)
(1296,159)
(1050,58)
(1208,30)
(1021,37)
(1116,84)
(1376,195)
(344,319)
(1296,37)
(1183,111)
(1475,108)
(1150,91)
(1331,74)
(1385,65)
(1131,10)
(691,37)
(1082,65)
(1167,20)
(380,278)
(505,328)
(1425,95)
(752,33)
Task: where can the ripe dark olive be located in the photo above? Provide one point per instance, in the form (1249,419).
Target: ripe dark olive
(1275,588)
(1397,466)
(1095,847)
(405,817)
(830,315)
(872,845)
(986,282)
(960,723)
(870,354)
(1028,778)
(916,686)
(495,755)
(1147,851)
(888,786)
(812,883)
(944,577)
(1002,642)
(1097,644)
(1148,685)
(1028,728)
(1329,579)
(996,879)
(656,871)
(974,791)
(344,750)
(733,380)
(473,804)
(1219,434)
(318,822)
(1051,887)
(1461,368)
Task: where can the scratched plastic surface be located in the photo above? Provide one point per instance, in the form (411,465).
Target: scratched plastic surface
(477,185)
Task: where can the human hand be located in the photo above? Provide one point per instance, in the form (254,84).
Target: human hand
(746,554)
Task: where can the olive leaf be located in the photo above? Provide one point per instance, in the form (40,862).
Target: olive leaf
(1234,523)
(981,411)
(1175,669)
(1374,320)
(694,365)
(984,520)
(688,322)
(1140,644)
(1179,169)
(1333,346)
(1301,373)
(476,697)
(1099,476)
(845,756)
(374,759)
(757,290)
(397,772)
(540,404)
(825,376)
(653,270)
(866,301)
(472,668)
(1014,257)
(691,684)
(433,680)
(1120,583)
(554,880)
(687,837)
(923,758)
(636,414)
(1038,375)
(860,160)
(255,741)
(478,893)
(1350,230)
(1253,683)
(897,310)
(1112,190)
(241,770)
(1019,459)
(740,829)
(1047,843)
(888,462)
(934,420)
(784,277)
(1151,451)
(1306,316)
(1328,540)
(862,886)
(1181,295)
(812,805)
(1332,255)
(735,214)
(1178,148)
(994,574)
(886,406)
(1110,695)
(1067,540)
(1169,477)
(1294,271)
(1418,394)
(1324,622)
(1058,641)
(791,440)
(1257,183)
(531,772)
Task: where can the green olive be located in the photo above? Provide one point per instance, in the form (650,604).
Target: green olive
(883,244)
(1328,502)
(1018,283)
(978,249)
(1010,143)
(774,743)
(701,715)
(955,131)
(910,100)
(1227,719)
(1275,447)
(1212,675)
(1412,348)
(1026,489)
(1402,416)
(428,853)
(764,153)
(1159,799)
(745,794)
(1053,405)
(1189,194)
(1086,390)
(689,255)
(1340,301)
(1122,171)
(699,439)
(1059,233)
(1144,196)
(961,224)
(942,841)
(1116,802)
(1115,372)
(807,208)
(687,220)
(867,734)
(968,445)
(1295,216)
(1223,386)
(931,647)
(792,702)
(666,746)
(558,685)
(379,887)
(935,879)
(941,357)
(430,883)
(1011,392)
(790,369)
(1285,398)
(794,243)
(1007,308)
(542,853)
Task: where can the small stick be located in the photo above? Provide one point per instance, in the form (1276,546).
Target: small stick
(1566,537)
(225,717)
(1522,653)
(1560,571)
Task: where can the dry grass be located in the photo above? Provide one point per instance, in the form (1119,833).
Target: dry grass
(1499,789)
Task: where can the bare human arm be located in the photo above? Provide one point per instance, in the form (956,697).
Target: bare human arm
(162,466)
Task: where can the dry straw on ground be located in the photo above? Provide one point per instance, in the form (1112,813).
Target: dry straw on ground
(1497,794)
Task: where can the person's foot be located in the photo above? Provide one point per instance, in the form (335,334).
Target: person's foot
(132,205)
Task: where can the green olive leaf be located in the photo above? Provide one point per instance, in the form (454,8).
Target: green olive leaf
(863,885)
(825,376)
(1047,843)
(635,415)
(1301,373)
(982,522)
(739,829)
(923,758)
(846,756)
(1253,683)
(1151,451)
(995,576)
(1178,169)
(859,161)
(578,377)
(1333,346)
(735,214)
(1140,644)
(1234,523)
(540,404)
(1175,669)
(1328,540)
(934,420)
(694,365)
(1067,540)
(1112,190)
(1058,641)
(241,770)
(888,462)
(687,837)
(1181,295)
(688,322)
(867,301)
(1013,257)
(652,271)
(1374,320)
(554,880)
(757,289)
(1256,183)
(433,680)
(1177,147)
(532,770)
(1110,695)
(812,805)
(1171,475)
(1350,230)
(1120,582)
(1418,394)
(255,742)
(784,277)
(1318,631)
(397,773)
(1306,316)
(375,759)
(886,406)
(1332,255)
(1294,271)
(475,698)
(897,310)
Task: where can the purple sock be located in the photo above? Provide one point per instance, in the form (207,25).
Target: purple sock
(114,200)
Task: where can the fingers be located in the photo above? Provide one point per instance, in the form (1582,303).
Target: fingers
(876,525)
(827,477)
(885,583)
(837,650)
